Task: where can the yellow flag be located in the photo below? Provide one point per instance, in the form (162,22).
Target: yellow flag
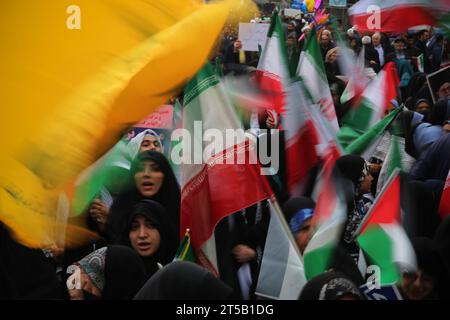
(74,77)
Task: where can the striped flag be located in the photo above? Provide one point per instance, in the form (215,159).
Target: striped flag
(301,137)
(392,15)
(357,77)
(273,67)
(365,144)
(282,274)
(312,71)
(374,101)
(328,220)
(382,237)
(396,158)
(212,188)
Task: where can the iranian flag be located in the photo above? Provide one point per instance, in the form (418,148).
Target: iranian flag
(393,15)
(382,237)
(213,186)
(273,67)
(301,137)
(373,103)
(312,70)
(328,221)
(444,204)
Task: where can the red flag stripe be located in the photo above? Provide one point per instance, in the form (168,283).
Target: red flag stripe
(217,191)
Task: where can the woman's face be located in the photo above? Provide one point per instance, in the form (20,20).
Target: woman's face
(144,237)
(85,285)
(422,107)
(366,184)
(148,178)
(304,235)
(417,286)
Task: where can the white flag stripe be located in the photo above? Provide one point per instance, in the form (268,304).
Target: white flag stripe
(282,274)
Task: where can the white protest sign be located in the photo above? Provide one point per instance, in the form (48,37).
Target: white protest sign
(252,34)
(293,13)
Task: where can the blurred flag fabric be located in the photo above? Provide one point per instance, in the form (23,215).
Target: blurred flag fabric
(444,203)
(185,251)
(389,15)
(282,275)
(328,220)
(75,77)
(213,187)
(311,69)
(373,103)
(273,67)
(366,143)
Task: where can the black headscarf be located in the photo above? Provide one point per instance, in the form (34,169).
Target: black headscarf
(183,280)
(422,218)
(330,285)
(440,112)
(429,260)
(426,113)
(157,215)
(168,196)
(124,273)
(409,121)
(352,168)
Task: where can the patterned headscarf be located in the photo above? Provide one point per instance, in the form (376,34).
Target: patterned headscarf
(338,287)
(94,266)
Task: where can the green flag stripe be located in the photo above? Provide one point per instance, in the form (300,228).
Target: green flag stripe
(377,244)
(201,86)
(318,260)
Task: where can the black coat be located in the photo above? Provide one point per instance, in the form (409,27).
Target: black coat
(25,273)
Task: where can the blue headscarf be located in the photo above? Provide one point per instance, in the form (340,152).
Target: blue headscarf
(299,218)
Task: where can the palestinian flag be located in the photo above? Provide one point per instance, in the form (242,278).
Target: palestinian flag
(328,221)
(273,67)
(282,275)
(214,185)
(393,159)
(374,101)
(382,237)
(185,252)
(312,71)
(392,15)
(444,204)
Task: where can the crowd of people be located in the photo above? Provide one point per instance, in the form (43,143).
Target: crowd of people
(137,215)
